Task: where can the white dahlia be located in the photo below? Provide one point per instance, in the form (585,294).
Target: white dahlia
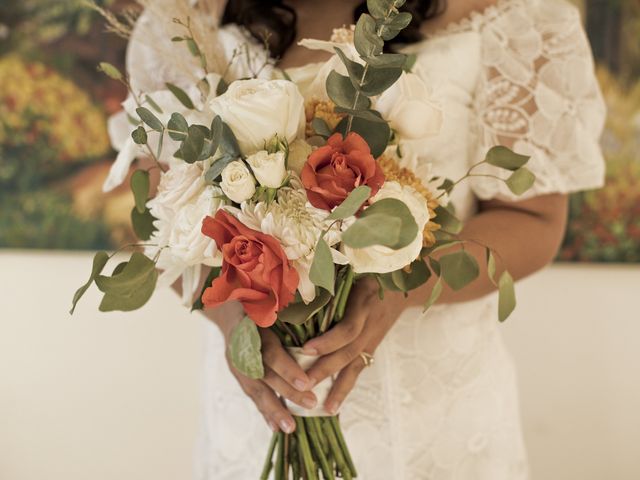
(297,225)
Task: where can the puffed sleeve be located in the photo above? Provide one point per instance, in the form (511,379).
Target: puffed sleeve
(538,94)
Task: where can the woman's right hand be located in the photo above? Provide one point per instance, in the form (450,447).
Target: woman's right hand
(283,376)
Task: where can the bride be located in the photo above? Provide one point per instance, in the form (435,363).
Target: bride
(440,400)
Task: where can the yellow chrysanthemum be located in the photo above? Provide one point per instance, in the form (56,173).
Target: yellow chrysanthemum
(394,173)
(36,101)
(322,109)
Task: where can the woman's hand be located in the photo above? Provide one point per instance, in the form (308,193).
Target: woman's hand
(367,320)
(282,375)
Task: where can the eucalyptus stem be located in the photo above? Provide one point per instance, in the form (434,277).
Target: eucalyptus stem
(305,450)
(343,444)
(316,444)
(336,450)
(268,464)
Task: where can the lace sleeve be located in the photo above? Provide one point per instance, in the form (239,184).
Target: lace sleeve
(538,95)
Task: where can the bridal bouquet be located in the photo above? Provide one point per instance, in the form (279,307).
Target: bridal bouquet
(291,200)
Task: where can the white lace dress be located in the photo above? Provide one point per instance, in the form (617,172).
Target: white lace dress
(440,403)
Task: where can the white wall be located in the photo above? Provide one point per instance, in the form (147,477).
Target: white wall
(114,396)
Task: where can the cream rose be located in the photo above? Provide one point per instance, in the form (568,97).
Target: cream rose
(268,168)
(237,182)
(408,108)
(299,151)
(257,110)
(380,259)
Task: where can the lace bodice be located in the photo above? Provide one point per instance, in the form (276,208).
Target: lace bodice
(440,402)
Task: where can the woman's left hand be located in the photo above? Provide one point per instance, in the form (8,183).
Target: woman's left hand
(366,322)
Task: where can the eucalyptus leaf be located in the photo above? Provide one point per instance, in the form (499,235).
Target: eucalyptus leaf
(491,266)
(435,266)
(110,71)
(395,25)
(378,80)
(133,275)
(351,204)
(321,128)
(191,147)
(504,157)
(193,47)
(228,142)
(354,69)
(217,167)
(521,181)
(435,295)
(387,60)
(506,296)
(379,9)
(365,39)
(387,222)
(222,87)
(181,95)
(100,259)
(142,223)
(368,115)
(446,218)
(139,135)
(140,185)
(459,269)
(342,92)
(409,63)
(299,312)
(152,103)
(178,127)
(150,119)
(417,275)
(322,272)
(127,301)
(376,134)
(245,349)
(213,274)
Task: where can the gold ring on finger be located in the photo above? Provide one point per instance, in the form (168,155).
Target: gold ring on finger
(367,358)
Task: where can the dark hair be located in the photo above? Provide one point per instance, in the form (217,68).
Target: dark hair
(275,22)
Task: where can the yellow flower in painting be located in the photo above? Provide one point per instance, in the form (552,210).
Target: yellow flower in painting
(394,173)
(36,102)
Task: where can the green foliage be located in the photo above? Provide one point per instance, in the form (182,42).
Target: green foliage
(459,269)
(320,127)
(130,287)
(140,187)
(142,223)
(446,218)
(435,295)
(351,204)
(387,222)
(323,273)
(299,312)
(181,95)
(139,135)
(150,119)
(228,146)
(521,181)
(110,71)
(406,280)
(244,349)
(342,92)
(100,259)
(503,157)
(191,147)
(177,127)
(375,133)
(507,296)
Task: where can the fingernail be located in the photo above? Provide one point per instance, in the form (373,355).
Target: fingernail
(286,425)
(300,384)
(309,351)
(331,407)
(309,403)
(272,426)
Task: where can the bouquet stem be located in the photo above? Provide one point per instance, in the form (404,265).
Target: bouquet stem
(316,447)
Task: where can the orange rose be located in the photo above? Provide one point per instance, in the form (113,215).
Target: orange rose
(334,170)
(255,270)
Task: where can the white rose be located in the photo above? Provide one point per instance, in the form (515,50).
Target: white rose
(183,200)
(380,259)
(256,110)
(299,152)
(408,108)
(268,168)
(237,182)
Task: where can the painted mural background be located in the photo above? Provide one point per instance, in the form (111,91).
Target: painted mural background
(55,152)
